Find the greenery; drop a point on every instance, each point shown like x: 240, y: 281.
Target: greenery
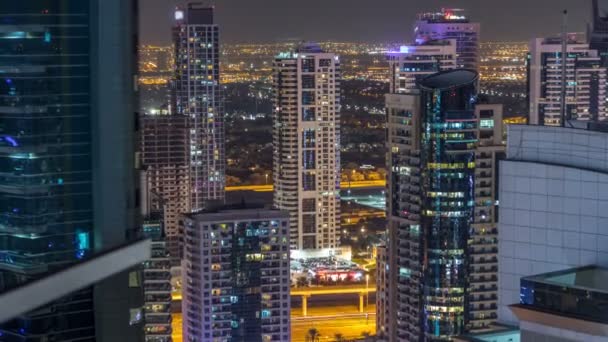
x: 313, y: 335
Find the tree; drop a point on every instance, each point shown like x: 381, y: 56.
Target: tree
x: 351, y: 166
x: 302, y: 281
x: 232, y: 180
x: 313, y: 335
x: 339, y: 337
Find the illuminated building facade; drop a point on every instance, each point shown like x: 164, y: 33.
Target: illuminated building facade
x: 67, y: 138
x: 441, y: 208
x: 451, y: 24
x: 413, y: 62
x: 585, y: 82
x: 197, y: 95
x: 236, y: 276
x: 165, y: 157
x: 156, y: 271
x: 482, y: 246
x: 306, y: 139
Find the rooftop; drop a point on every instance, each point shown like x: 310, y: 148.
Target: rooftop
x: 589, y: 278
x: 499, y: 333
x: 449, y: 79
x: 236, y: 212
x: 447, y: 15
x: 578, y: 293
x: 309, y: 47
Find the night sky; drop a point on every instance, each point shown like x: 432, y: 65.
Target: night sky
x: 365, y: 20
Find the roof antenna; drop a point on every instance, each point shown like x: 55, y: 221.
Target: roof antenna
x: 564, y: 61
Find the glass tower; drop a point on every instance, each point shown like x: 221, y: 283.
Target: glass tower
x: 431, y: 264
x: 67, y: 176
x: 447, y: 197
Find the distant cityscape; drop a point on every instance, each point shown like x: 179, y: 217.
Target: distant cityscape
x: 432, y: 190
x: 500, y: 62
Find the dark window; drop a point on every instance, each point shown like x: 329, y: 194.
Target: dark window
x: 308, y: 98
x: 308, y: 65
x: 309, y: 223
x: 308, y: 160
x: 308, y: 114
x: 308, y: 138
x: 308, y: 81
x: 309, y: 242
x: 309, y: 204
x: 324, y: 62
x: 309, y: 181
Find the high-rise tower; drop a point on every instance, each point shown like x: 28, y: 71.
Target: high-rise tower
x: 414, y: 62
x: 197, y: 95
x: 165, y: 156
x: 236, y: 275
x: 67, y: 138
x: 306, y: 138
x: 440, y: 209
x: 451, y: 24
x: 598, y: 30
x: 585, y: 82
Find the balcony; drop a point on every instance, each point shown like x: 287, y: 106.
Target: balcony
x: 484, y: 289
x: 485, y: 250
x: 483, y: 298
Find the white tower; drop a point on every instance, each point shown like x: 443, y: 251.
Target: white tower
x: 306, y: 138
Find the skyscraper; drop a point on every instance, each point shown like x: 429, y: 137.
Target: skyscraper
x: 165, y: 157
x: 198, y: 96
x: 306, y: 139
x: 236, y: 275
x: 598, y: 30
x: 585, y: 82
x: 157, y: 269
x: 440, y: 208
x: 414, y: 62
x: 451, y: 24
x: 67, y: 148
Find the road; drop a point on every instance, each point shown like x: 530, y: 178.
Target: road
x: 343, y: 185
x: 312, y: 291
x: 327, y: 290
x: 328, y: 321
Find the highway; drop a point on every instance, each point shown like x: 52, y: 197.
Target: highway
x: 350, y: 325
x: 343, y: 185
x: 329, y: 290
x: 329, y: 320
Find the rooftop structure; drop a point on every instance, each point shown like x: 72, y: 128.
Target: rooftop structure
x: 446, y: 15
x: 451, y: 24
x: 565, y: 305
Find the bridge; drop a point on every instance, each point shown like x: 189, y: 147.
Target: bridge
x: 343, y: 185
x: 307, y: 292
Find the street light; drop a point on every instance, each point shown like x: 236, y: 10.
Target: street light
x: 266, y: 175
x: 366, y: 290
